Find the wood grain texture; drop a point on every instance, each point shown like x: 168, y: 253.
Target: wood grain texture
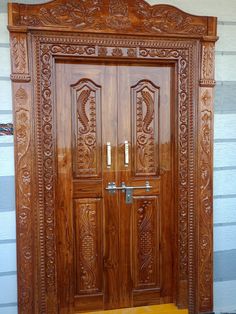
x: 104, y: 23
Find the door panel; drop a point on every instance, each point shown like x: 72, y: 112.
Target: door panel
x: 114, y: 254
x: 145, y: 96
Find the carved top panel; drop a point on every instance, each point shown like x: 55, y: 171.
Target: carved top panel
x: 111, y: 16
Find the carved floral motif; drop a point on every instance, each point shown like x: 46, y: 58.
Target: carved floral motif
x: 114, y: 15
x: 88, y: 105
x: 78, y: 14
x: 205, y: 231
x: 164, y: 19
x: 146, y: 244
x: 88, y: 257
x: 24, y: 192
x: 208, y: 57
x: 145, y: 106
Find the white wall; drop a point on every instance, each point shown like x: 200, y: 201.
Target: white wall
x: 225, y: 157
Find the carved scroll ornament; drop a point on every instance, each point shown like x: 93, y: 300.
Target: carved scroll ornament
x: 111, y: 16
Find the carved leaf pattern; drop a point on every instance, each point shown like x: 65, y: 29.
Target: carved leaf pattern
x: 19, y: 54
x: 146, y: 244
x: 208, y: 57
x: 163, y: 19
x: 77, y: 14
x: 88, y: 248
x: 87, y: 103
x: 145, y: 100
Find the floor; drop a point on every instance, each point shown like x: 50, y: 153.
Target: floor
x: 154, y: 309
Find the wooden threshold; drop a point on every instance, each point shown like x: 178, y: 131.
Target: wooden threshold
x: 153, y: 309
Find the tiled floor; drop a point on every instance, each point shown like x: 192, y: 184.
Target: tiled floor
x: 154, y: 309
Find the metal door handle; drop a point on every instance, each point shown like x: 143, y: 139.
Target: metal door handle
x: 126, y: 153
x: 108, y: 154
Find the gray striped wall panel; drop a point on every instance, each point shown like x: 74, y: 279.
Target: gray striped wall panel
x: 225, y: 97
x: 8, y: 308
x: 7, y: 188
x: 225, y: 265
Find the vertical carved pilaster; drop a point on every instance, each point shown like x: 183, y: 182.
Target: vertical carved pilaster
x: 19, y: 57
x: 24, y: 174
x: 205, y: 186
x: 24, y: 213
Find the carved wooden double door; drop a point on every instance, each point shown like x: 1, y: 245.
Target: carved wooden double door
x: 114, y: 245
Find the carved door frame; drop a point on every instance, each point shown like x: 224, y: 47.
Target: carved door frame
x: 110, y: 30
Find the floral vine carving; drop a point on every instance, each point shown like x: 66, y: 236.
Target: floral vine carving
x: 208, y: 61
x: 164, y: 19
x: 88, y: 253
x: 87, y: 97
x: 205, y: 234
x: 146, y: 245
x: 24, y: 192
x: 78, y: 14
x: 144, y: 99
x: 113, y: 15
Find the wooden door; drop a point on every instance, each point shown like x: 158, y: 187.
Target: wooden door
x: 114, y: 252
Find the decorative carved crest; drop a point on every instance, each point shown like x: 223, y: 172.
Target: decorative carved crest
x: 110, y: 16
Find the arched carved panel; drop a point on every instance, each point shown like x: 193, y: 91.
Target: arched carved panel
x: 86, y: 104
x: 146, y: 243
x: 88, y: 223
x: 145, y: 113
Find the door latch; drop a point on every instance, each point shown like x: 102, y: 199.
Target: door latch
x: 128, y: 190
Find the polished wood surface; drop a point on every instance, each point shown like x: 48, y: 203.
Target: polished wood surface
x: 123, y: 253
x: 60, y: 164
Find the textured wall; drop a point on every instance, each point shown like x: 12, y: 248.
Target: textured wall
x: 224, y: 164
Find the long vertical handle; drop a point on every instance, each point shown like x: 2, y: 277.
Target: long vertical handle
x: 108, y: 154
x: 126, y: 153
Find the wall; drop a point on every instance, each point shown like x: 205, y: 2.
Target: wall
x: 224, y: 165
